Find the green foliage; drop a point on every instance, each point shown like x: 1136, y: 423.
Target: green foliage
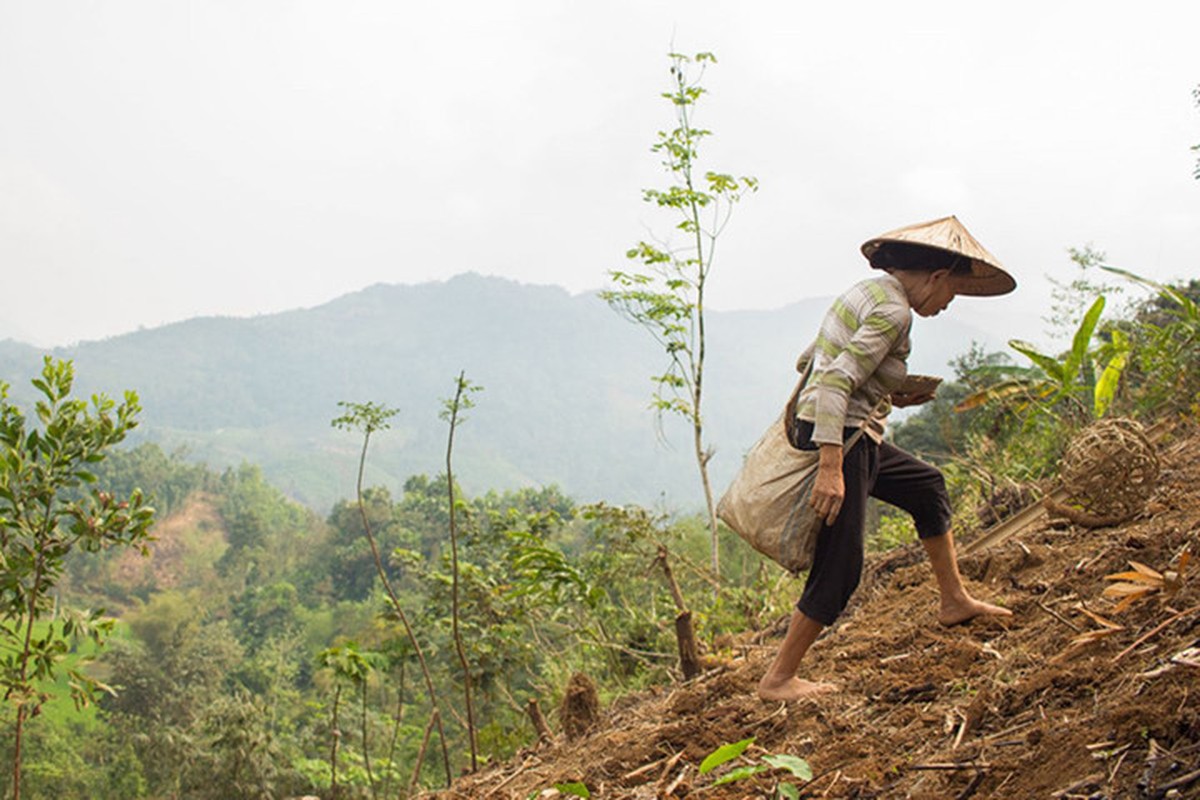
x: 43, y: 519
x: 797, y: 767
x: 147, y: 465
x: 1165, y: 337
x: 1075, y: 387
x: 667, y: 296
x: 895, y: 528
x: 574, y: 788
x: 723, y: 754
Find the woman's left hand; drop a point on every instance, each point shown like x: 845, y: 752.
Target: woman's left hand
x: 904, y: 399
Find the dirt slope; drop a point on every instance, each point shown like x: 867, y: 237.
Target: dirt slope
x: 185, y: 545
x: 989, y: 709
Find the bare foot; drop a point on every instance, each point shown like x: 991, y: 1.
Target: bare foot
x: 792, y: 689
x: 956, y: 612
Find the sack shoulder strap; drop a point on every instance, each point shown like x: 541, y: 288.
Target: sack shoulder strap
x: 804, y: 365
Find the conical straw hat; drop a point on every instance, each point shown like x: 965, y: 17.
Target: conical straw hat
x: 987, y: 276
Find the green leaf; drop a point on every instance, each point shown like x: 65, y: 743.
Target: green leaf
x: 576, y: 788
x: 788, y: 791
x: 1083, y: 340
x: 1048, y: 364
x: 793, y: 764
x: 739, y: 773
x: 1106, y: 387
x: 724, y: 753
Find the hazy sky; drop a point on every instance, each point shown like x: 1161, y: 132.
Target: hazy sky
x: 164, y: 159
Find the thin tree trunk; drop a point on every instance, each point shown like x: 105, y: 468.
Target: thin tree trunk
x: 365, y: 748
x: 397, y: 721
x: 689, y: 657
x: 336, y: 735
x: 458, y: 644
x: 395, y: 601
x: 702, y: 456
x: 433, y: 718
x: 22, y: 713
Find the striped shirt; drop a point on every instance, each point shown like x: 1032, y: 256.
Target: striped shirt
x: 859, y: 358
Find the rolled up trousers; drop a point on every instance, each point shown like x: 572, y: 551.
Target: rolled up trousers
x: 887, y: 473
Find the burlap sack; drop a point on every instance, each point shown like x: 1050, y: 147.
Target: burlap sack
x: 768, y: 502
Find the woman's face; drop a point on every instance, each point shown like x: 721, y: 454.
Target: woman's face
x: 934, y: 294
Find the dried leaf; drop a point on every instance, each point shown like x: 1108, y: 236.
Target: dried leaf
x: 1145, y: 570
x: 1140, y: 577
x: 1126, y: 603
x: 1095, y: 636
x: 1099, y: 619
x: 1123, y: 589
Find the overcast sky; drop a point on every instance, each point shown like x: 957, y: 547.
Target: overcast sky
x: 164, y: 159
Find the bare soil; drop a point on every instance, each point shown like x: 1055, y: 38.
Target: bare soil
x: 989, y: 709
x: 197, y: 527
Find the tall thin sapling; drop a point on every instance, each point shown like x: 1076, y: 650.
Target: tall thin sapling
x: 666, y: 296
x: 368, y: 418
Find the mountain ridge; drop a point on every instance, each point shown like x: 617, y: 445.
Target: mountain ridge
x: 566, y: 387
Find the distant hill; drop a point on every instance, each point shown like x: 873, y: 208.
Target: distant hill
x: 566, y: 388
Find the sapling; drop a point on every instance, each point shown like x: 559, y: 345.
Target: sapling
x: 452, y: 414
x: 368, y: 418
x: 666, y: 296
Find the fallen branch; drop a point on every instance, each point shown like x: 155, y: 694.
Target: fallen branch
x: 1157, y: 630
x: 1023, y: 519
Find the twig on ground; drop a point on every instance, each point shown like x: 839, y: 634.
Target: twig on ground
x: 1057, y: 616
x: 524, y: 766
x: 670, y: 765
x: 973, y: 786
x: 1086, y: 783
x: 642, y: 770
x: 667, y: 792
x: 837, y: 776
x: 1178, y: 783
x: 1157, y: 630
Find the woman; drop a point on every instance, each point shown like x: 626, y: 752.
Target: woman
x: 859, y: 359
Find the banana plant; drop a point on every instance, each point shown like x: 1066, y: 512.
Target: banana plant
x: 1168, y: 336
x: 1074, y: 381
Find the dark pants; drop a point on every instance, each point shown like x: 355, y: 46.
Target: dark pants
x: 883, y: 471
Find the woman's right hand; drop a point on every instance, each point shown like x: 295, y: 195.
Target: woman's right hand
x: 829, y: 489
